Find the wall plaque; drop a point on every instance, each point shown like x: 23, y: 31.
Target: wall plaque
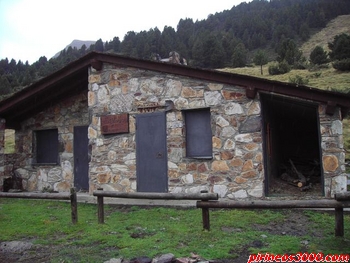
x: 112, y: 124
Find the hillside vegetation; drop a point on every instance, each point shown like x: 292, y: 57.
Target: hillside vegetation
x: 325, y: 77
x: 322, y: 78
x: 224, y: 39
x: 339, y: 25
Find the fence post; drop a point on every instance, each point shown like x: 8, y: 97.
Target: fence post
x: 205, y: 215
x: 339, y: 222
x: 74, y: 206
x: 100, y: 211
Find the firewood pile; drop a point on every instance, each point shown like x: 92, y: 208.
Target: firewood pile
x: 301, y: 173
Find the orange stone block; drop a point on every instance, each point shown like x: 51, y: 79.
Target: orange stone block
x: 249, y: 174
x: 226, y: 155
x: 240, y: 180
x: 248, y: 165
x: 202, y: 168
x: 103, y: 178
x: 231, y: 95
x: 220, y: 166
x: 236, y: 162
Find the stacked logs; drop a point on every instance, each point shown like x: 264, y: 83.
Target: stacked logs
x: 298, y: 177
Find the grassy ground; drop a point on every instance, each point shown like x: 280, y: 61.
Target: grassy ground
x: 9, y: 141
x: 131, y: 232
x: 322, y: 78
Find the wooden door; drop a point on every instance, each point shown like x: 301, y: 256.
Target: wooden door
x: 151, y: 152
x: 81, y: 158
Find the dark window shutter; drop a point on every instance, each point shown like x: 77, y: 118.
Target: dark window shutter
x: 47, y: 146
x: 198, y: 133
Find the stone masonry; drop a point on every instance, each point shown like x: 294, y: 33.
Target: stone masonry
x: 333, y: 153
x: 236, y: 170
x: 64, y: 116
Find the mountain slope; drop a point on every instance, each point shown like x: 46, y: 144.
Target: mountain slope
x: 339, y: 25
x: 77, y: 44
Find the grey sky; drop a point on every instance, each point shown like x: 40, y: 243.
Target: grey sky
x: 33, y: 28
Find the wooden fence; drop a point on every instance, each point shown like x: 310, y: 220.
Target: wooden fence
x: 210, y: 200
x: 72, y: 196
x: 204, y: 196
x: 341, y: 201
x: 205, y: 201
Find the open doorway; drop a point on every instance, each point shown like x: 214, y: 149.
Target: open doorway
x: 291, y: 147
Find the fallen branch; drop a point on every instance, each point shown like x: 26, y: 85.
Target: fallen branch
x: 305, y: 188
x: 301, y: 177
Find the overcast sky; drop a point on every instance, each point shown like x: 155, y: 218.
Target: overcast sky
x: 30, y: 29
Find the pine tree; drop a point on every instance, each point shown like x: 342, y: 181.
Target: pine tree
x: 288, y: 51
x: 5, y: 86
x: 340, y: 47
x: 99, y: 45
x: 208, y: 52
x: 318, y: 56
x: 239, y: 56
x: 128, y: 43
x: 260, y: 59
x: 116, y: 45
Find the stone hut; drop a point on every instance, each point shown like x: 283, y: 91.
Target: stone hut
x: 129, y: 125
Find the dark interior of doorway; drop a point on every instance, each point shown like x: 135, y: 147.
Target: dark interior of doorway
x: 292, y: 147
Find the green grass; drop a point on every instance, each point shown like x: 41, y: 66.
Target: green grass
x: 321, y: 78
x: 149, y: 232
x: 329, y: 243
x: 9, y: 141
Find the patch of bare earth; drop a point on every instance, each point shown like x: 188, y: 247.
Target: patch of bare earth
x: 296, y: 223
x: 26, y: 251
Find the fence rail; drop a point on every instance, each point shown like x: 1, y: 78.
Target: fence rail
x: 260, y: 204
x: 159, y: 196
x: 205, y: 201
x: 204, y: 196
x: 72, y: 196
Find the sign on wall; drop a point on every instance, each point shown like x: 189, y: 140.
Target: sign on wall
x: 114, y: 124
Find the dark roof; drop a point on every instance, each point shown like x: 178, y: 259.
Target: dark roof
x: 73, y: 79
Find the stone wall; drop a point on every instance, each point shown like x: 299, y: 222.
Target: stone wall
x: 333, y: 153
x: 236, y: 170
x: 68, y: 113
